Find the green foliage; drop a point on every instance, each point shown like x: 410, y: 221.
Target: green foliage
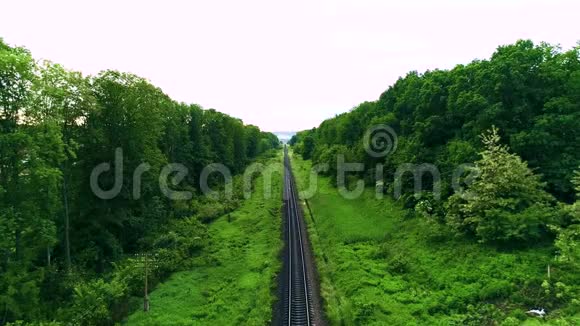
x: 183, y: 237
x: 93, y: 301
x: 329, y: 156
x: 56, y: 126
x: 530, y: 92
x: 379, y: 268
x: 308, y: 147
x: 568, y: 244
x: 20, y: 291
x: 505, y: 203
x: 232, y: 280
x: 398, y: 264
x: 304, y: 143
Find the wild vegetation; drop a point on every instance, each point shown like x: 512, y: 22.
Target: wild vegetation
x: 67, y: 254
x: 530, y: 93
x: 499, y: 239
x: 380, y: 265
x: 477, y: 252
x: 232, y: 282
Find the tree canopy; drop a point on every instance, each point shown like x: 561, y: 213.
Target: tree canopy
x: 529, y: 92
x: 56, y: 126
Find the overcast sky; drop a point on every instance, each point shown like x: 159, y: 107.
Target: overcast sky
x: 281, y: 65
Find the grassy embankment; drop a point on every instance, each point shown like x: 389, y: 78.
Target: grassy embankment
x: 379, y: 267
x: 234, y: 281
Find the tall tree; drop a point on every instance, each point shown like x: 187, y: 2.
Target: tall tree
x: 507, y: 202
x: 31, y: 150
x: 65, y: 98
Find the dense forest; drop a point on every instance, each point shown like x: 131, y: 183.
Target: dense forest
x: 529, y: 94
x: 514, y: 119
x: 65, y: 253
x: 493, y: 232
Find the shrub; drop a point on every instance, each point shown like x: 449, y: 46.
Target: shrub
x: 495, y: 289
x: 399, y: 264
x: 94, y: 300
x: 506, y: 203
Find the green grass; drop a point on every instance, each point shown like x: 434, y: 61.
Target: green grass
x: 233, y: 282
x: 379, y: 267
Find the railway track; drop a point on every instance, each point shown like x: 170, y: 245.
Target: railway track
x: 297, y: 302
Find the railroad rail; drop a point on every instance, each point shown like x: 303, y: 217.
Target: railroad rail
x: 297, y: 307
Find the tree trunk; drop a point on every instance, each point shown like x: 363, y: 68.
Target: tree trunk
x: 17, y: 243
x: 146, y: 294
x: 66, y: 223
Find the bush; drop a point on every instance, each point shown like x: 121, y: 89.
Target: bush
x: 399, y: 264
x: 483, y: 314
x: 506, y: 203
x: 496, y: 289
x: 93, y: 302
x: 185, y: 236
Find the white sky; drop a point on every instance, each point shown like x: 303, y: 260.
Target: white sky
x: 282, y: 65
